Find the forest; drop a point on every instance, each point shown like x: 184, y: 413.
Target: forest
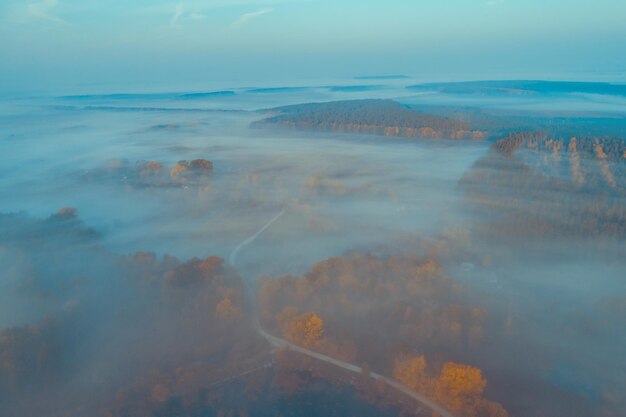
x: 370, y: 116
x: 398, y: 315
x: 545, y: 185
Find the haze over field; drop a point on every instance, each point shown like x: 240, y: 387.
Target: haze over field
x: 312, y: 208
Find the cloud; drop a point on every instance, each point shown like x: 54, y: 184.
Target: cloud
x: 177, y: 14
x: 180, y: 15
x: 246, y: 17
x: 196, y: 16
x: 43, y: 10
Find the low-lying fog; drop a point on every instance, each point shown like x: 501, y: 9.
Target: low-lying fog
x: 277, y: 201
x: 337, y: 193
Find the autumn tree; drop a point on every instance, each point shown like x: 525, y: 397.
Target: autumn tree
x: 459, y: 387
x: 306, y: 329
x: 226, y: 310
x: 410, y: 370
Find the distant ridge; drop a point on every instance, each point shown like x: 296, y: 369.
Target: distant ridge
x: 523, y: 87
x: 333, y: 88
x: 149, y: 96
x: 207, y: 94
x: 382, y: 77
x: 277, y: 89
x: 354, y: 88
x: 371, y: 116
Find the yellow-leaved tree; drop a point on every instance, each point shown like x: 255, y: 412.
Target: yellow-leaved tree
x: 460, y: 387
x: 306, y: 329
x: 410, y: 370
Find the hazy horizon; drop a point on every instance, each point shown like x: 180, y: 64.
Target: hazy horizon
x: 66, y: 46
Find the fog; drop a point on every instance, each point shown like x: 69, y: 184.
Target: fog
x: 133, y: 281
x: 329, y: 186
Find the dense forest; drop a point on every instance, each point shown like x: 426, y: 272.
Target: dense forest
x: 167, y: 335
x: 609, y: 148
x: 398, y: 315
x: 379, y: 117
x: 533, y: 183
x: 117, y: 317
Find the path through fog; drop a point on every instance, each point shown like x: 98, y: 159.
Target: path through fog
x: 233, y: 255
x: 282, y: 343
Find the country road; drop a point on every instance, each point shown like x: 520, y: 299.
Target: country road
x: 282, y: 343
x: 233, y: 255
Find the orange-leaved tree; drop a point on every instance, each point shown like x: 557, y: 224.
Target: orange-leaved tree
x: 411, y: 371
x: 306, y: 329
x: 460, y: 387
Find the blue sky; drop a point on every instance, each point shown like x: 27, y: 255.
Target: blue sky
x: 54, y: 43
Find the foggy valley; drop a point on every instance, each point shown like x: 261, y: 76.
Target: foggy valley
x: 372, y: 246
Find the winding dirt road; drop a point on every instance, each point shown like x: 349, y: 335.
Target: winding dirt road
x: 233, y: 255
x: 284, y: 344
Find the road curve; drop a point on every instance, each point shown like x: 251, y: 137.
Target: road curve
x: 282, y: 344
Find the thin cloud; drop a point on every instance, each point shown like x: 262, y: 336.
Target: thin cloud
x: 43, y: 10
x: 197, y: 16
x: 180, y: 16
x: 247, y: 17
x: 177, y: 14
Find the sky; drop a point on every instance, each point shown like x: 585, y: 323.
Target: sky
x: 151, y: 45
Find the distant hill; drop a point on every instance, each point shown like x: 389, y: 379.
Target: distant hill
x: 601, y: 148
x: 538, y: 184
x: 150, y: 96
x: 523, y: 87
x: 379, y: 117
x: 382, y: 77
